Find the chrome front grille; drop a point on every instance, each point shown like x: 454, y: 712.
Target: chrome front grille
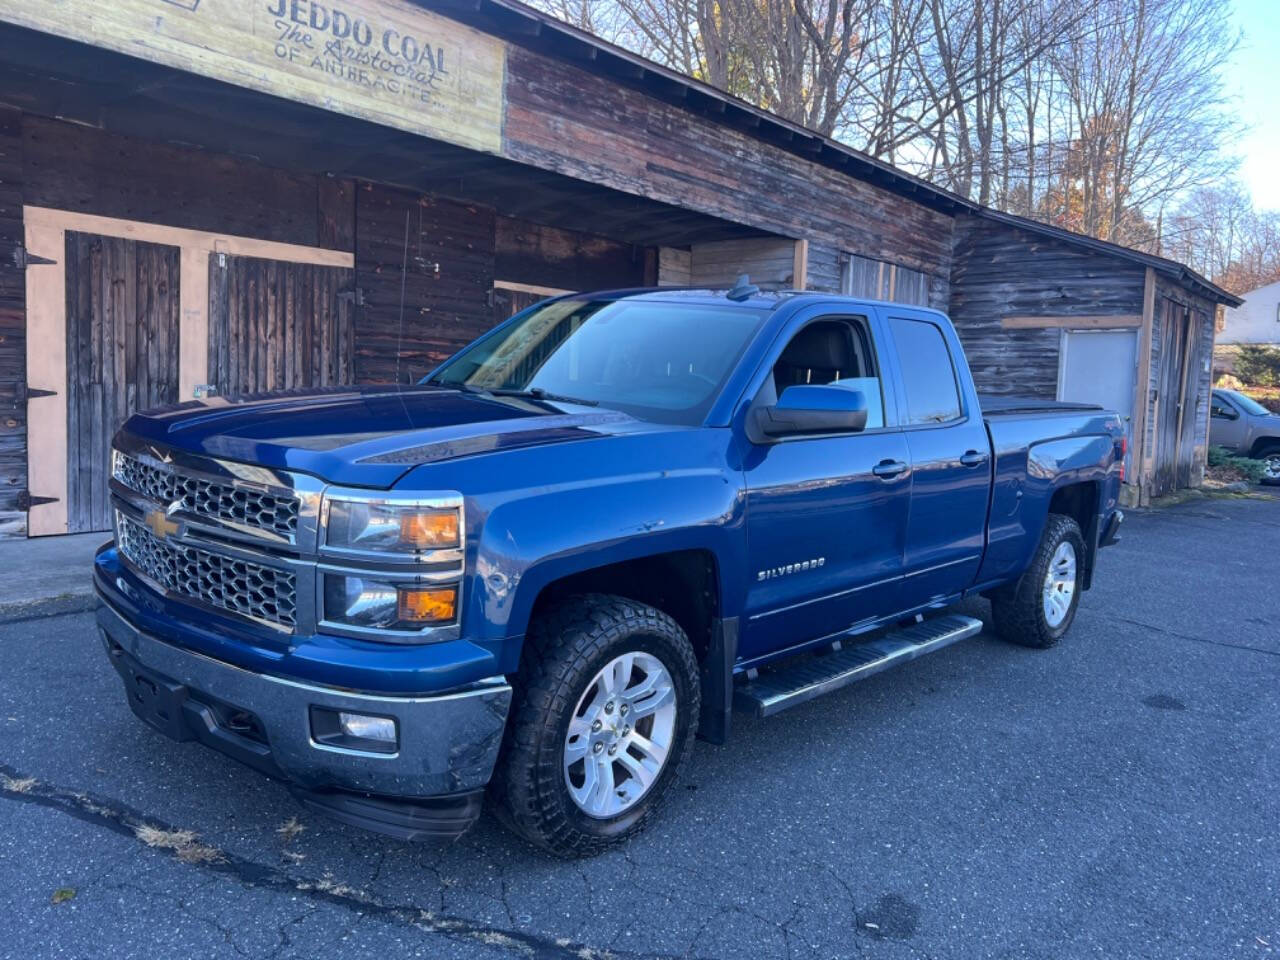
x: 239, y: 586
x: 200, y: 497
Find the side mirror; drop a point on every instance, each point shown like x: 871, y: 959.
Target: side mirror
x: 809, y: 410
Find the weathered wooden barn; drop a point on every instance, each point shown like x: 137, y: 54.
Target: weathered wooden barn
x: 232, y: 195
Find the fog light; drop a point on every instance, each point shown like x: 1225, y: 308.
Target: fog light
x: 368, y: 728
x: 366, y: 733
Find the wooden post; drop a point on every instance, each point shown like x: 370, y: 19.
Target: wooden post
x: 1140, y: 458
x: 800, y: 271
x: 1188, y: 339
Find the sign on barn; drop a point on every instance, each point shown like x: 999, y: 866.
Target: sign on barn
x: 379, y: 60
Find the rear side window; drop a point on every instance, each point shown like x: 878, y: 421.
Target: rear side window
x: 927, y: 373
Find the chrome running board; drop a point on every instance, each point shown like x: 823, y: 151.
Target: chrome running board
x: 811, y: 676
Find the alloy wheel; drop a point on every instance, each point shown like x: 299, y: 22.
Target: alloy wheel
x: 1060, y: 584
x: 620, y: 735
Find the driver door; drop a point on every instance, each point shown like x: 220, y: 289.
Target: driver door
x: 1227, y: 425
x: 826, y: 515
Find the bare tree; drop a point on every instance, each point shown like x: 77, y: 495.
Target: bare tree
x: 1093, y: 114
x: 1218, y: 232
x: 1147, y: 104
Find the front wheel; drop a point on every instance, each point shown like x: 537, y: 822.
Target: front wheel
x: 1037, y: 611
x: 605, y: 713
x: 1271, y: 465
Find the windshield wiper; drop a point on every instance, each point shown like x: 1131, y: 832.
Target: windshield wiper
x: 464, y: 387
x: 537, y: 393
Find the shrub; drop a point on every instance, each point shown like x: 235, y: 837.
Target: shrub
x: 1258, y: 365
x: 1223, y: 462
x: 1227, y: 381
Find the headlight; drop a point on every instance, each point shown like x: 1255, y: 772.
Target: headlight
x: 384, y: 526
x: 369, y: 603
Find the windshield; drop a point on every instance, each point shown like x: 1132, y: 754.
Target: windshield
x: 664, y: 362
x: 1247, y: 404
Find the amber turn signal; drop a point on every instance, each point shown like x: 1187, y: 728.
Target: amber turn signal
x: 429, y: 529
x: 427, y: 604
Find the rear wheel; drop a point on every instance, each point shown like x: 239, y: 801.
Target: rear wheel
x: 1038, y: 610
x: 604, y: 716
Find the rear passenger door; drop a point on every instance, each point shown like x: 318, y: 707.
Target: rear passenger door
x: 950, y: 460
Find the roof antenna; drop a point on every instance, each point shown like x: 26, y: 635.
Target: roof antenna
x: 744, y: 289
x: 404, y: 269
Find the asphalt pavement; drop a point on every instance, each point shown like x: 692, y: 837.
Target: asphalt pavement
x: 1118, y: 796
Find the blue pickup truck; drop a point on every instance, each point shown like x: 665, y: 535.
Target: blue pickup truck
x: 587, y: 538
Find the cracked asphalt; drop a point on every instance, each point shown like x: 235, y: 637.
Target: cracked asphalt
x: 1118, y: 796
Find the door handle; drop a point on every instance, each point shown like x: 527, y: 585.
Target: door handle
x: 888, y: 469
x: 973, y: 458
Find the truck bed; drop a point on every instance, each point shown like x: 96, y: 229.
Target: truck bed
x: 1038, y: 445
x: 999, y: 406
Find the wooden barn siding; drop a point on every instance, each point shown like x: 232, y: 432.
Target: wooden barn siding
x: 1001, y: 271
x: 13, y: 339
x: 565, y: 119
x: 824, y: 268
x: 70, y: 167
x: 675, y: 267
x: 443, y: 310
x: 826, y: 275
x: 939, y: 292
x: 562, y: 259
x: 768, y: 261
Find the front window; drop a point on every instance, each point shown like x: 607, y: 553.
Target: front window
x: 660, y: 361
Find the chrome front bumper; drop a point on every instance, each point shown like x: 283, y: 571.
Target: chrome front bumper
x: 447, y: 746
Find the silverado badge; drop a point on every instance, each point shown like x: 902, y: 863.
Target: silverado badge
x: 790, y: 568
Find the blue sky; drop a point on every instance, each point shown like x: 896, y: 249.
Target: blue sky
x: 1254, y: 79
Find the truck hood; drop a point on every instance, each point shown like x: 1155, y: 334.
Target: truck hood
x: 370, y: 437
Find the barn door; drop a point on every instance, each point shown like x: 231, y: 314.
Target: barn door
x: 1175, y: 320
x: 278, y: 325
x: 1193, y: 404
x: 122, y: 355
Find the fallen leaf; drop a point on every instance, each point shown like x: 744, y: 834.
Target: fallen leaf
x: 62, y: 895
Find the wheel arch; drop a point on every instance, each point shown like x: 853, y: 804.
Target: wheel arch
x: 1264, y: 445
x: 684, y: 584
x: 1080, y: 501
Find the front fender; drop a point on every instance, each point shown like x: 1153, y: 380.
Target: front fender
x: 531, y: 542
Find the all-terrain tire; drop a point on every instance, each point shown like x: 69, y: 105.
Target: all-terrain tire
x: 567, y: 645
x: 1019, y: 609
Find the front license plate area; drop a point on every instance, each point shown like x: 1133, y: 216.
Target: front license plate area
x: 155, y: 700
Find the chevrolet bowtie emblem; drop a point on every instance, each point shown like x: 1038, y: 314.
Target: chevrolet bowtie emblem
x: 159, y: 523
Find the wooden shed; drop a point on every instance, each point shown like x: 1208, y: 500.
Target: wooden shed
x: 256, y: 195
x: 1045, y: 312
